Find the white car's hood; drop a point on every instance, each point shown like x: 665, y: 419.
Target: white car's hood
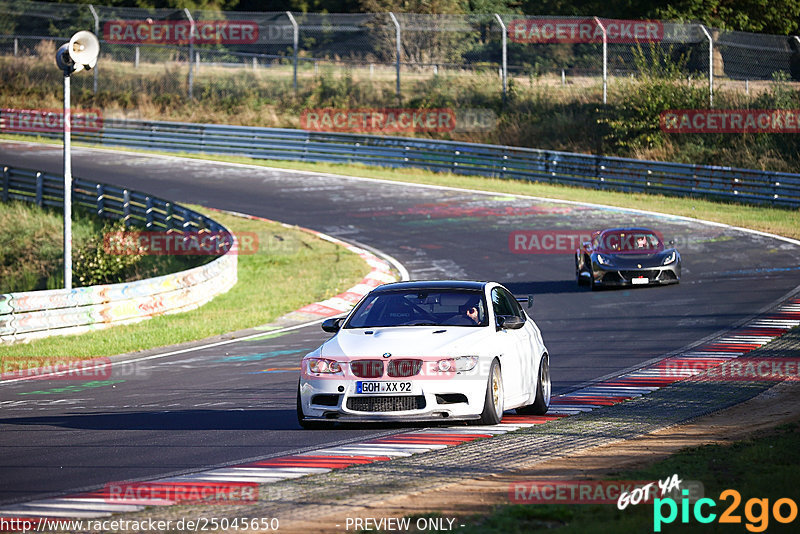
x: 419, y: 341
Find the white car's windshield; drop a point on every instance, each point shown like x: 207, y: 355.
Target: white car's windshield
x: 420, y: 308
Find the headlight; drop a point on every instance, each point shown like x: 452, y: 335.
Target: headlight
x: 670, y: 258
x: 323, y: 366
x: 602, y: 260
x: 462, y: 363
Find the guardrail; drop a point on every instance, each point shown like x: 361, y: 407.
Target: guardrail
x: 599, y: 172
x: 34, y: 314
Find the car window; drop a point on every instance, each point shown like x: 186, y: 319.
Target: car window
x: 420, y: 308
x: 629, y: 241
x: 514, y: 304
x: 501, y: 303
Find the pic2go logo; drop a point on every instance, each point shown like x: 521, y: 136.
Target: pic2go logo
x: 756, y: 511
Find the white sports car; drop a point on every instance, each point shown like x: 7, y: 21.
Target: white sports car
x: 427, y: 351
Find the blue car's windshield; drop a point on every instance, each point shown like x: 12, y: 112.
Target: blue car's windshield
x: 420, y: 308
x: 620, y: 242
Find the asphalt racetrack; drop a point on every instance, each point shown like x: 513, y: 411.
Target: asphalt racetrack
x: 228, y: 404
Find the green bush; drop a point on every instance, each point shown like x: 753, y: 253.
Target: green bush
x: 106, y: 258
x: 634, y: 122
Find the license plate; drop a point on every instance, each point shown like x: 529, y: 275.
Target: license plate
x: 383, y: 387
x: 639, y: 281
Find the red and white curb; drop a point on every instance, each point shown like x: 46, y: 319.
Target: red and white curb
x: 640, y: 382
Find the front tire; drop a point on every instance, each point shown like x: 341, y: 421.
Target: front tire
x: 592, y: 285
x: 578, y: 271
x: 493, y: 404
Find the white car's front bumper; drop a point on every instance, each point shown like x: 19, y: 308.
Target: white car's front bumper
x: 459, y: 397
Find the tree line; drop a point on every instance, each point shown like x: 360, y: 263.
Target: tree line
x: 762, y: 16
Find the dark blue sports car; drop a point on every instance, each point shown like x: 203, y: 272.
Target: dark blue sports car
x: 626, y: 257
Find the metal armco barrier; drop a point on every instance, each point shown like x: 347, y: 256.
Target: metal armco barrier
x: 599, y: 172
x: 36, y: 314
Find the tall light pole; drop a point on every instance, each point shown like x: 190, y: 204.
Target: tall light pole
x: 80, y: 53
x: 605, y: 59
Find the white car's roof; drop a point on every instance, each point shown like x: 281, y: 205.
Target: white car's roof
x: 434, y: 284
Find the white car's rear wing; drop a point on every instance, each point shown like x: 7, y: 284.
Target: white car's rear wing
x: 528, y: 299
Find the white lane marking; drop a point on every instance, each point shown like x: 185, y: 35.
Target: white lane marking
x: 392, y: 446
x: 568, y: 410
x: 264, y: 471
x: 622, y: 390
x: 432, y: 446
x: 36, y: 511
x: 508, y: 427
x: 88, y: 504
x: 368, y: 451
x: 491, y: 429
x: 372, y: 454
x: 249, y: 478
x: 269, y: 471
x: 457, y: 430
x: 583, y: 393
x: 702, y: 355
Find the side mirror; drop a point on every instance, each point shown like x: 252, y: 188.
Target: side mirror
x: 672, y: 242
x: 512, y: 322
x: 332, y: 325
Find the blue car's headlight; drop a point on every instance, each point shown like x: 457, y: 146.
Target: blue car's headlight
x: 670, y: 258
x: 603, y: 260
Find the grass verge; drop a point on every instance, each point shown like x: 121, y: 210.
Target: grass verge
x: 764, y: 467
x: 290, y: 269
x: 31, y: 246
x: 31, y: 255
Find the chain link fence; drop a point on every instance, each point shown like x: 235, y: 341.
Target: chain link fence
x: 300, y: 47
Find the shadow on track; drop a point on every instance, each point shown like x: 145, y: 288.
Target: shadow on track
x: 568, y: 286
x: 168, y: 420
x: 202, y: 420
